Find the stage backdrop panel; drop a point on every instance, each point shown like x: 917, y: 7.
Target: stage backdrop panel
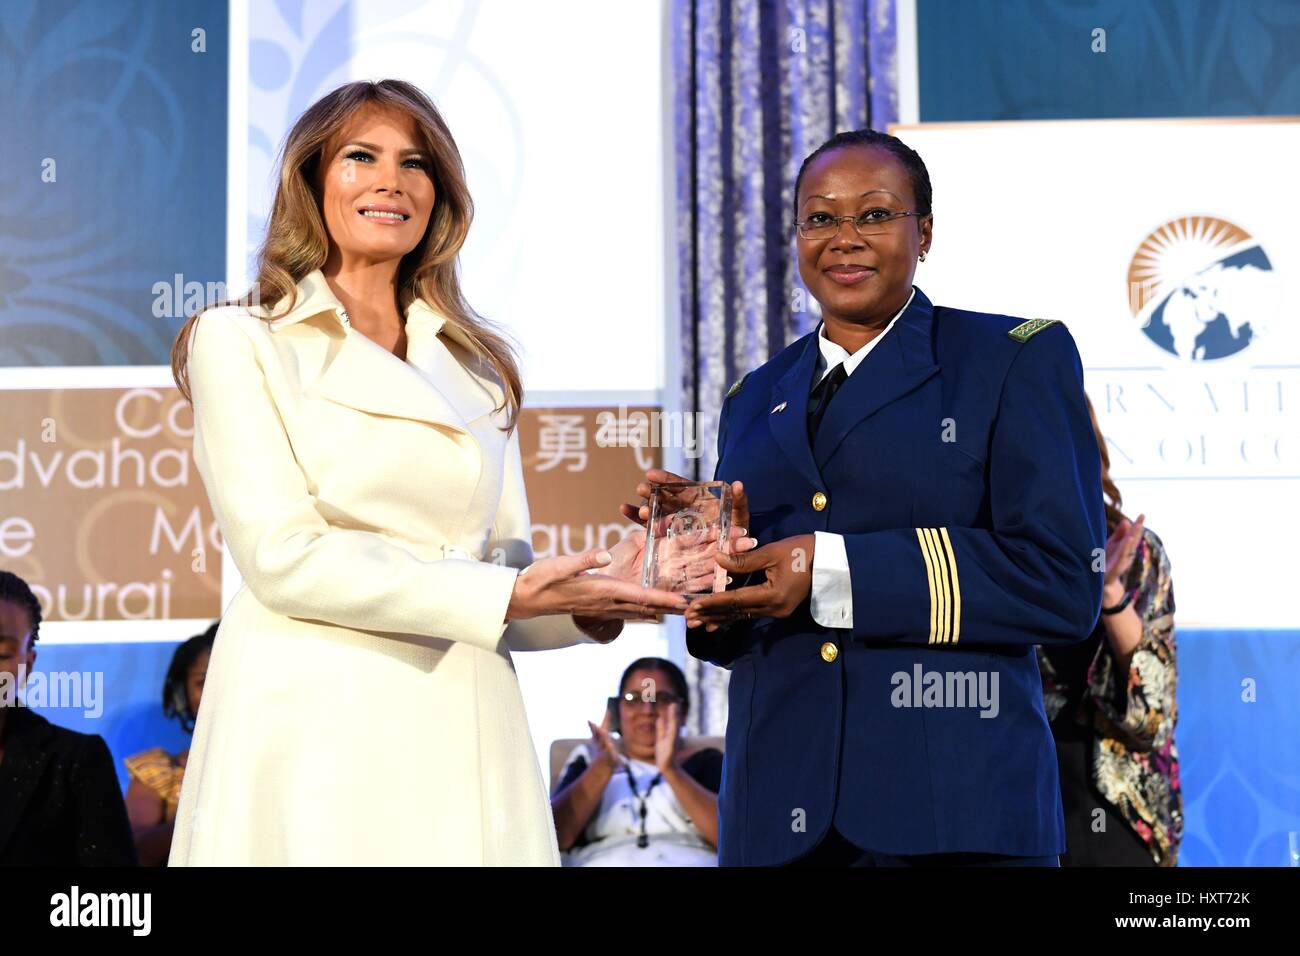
x: 558, y: 112
x: 1045, y: 59
x: 1176, y: 274
x: 101, y: 509
x: 1177, y: 278
x: 1238, y: 714
x: 113, y: 175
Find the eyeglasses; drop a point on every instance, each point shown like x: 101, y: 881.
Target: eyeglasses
x: 660, y: 699
x: 873, y: 222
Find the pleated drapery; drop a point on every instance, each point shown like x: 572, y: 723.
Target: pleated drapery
x: 759, y: 85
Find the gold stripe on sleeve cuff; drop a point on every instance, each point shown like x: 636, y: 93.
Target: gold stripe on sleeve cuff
x: 956, y: 586
x: 945, y: 603
x: 929, y: 572
x: 945, y: 592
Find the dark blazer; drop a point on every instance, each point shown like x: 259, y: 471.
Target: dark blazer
x: 60, y: 803
x: 960, y: 465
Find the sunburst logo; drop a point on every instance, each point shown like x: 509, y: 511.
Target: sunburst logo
x: 1202, y: 288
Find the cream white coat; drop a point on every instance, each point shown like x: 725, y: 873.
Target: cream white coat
x: 361, y: 706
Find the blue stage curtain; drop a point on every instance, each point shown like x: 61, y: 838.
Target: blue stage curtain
x: 758, y: 87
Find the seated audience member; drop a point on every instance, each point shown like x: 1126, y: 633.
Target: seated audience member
x: 156, y: 775
x: 60, y: 804
x: 638, y: 800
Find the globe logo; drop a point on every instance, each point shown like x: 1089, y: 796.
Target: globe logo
x: 1202, y: 288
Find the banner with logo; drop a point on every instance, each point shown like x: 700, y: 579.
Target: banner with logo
x: 1169, y: 248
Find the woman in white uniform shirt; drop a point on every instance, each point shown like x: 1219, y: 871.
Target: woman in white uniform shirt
x: 640, y: 800
x: 354, y: 429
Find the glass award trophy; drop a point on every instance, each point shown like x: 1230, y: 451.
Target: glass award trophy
x: 689, y: 523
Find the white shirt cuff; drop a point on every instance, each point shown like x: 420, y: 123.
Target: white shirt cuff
x: 832, y: 590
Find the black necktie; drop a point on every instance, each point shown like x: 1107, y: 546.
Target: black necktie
x: 821, y: 398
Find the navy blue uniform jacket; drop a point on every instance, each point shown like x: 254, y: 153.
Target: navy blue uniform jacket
x: 961, y: 467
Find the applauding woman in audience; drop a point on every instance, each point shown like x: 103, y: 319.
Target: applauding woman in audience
x: 638, y: 800
x: 1112, y: 704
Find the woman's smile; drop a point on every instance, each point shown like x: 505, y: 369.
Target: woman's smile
x: 849, y: 274
x: 385, y: 214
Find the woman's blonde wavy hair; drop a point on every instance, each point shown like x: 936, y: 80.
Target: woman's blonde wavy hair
x: 297, y: 241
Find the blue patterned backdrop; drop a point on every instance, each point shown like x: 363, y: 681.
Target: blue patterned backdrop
x: 132, y: 716
x: 1034, y: 59
x: 117, y: 179
x: 1240, y: 757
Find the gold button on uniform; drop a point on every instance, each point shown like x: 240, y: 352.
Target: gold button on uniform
x: 829, y: 652
x: 819, y: 501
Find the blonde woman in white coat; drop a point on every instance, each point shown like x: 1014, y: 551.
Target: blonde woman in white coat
x: 354, y: 430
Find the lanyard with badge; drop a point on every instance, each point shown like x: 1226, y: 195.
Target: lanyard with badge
x: 643, y: 840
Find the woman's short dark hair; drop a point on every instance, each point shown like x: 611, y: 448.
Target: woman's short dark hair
x: 16, y: 590
x: 909, y: 157
x: 674, y: 673
x: 176, y: 699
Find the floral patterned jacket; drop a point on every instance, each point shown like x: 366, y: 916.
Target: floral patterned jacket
x: 1135, y: 760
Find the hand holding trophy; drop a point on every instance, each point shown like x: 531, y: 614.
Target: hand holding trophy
x: 687, y: 523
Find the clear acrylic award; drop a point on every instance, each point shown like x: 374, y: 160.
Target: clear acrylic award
x: 689, y: 523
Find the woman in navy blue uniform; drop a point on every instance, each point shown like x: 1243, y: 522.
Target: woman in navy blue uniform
x: 925, y: 486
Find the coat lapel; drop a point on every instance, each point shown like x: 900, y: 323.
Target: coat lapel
x: 430, y: 386
x: 790, y: 424
x: 468, y: 384
x: 895, y: 367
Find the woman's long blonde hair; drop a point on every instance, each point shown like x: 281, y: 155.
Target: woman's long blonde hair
x: 297, y: 241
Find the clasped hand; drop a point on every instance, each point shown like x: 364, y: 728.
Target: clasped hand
x: 600, y: 588
x: 785, y: 565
